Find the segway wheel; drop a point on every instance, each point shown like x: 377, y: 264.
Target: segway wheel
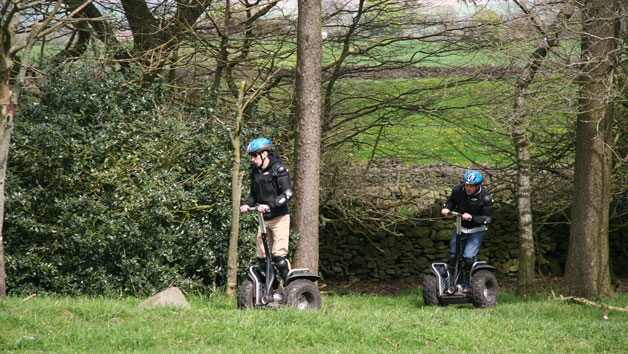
x: 430, y: 290
x: 485, y: 289
x: 246, y: 294
x: 302, y: 294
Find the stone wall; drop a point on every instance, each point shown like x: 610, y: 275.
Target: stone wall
x: 416, y: 235
x: 350, y: 250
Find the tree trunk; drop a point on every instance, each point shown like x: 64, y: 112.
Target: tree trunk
x: 308, y: 133
x: 10, y: 97
x: 236, y: 194
x: 526, y: 284
x: 7, y: 108
x: 587, y: 271
x: 222, y: 57
x: 6, y: 130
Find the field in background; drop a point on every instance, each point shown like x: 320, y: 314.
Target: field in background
x: 424, y: 136
x: 452, y: 121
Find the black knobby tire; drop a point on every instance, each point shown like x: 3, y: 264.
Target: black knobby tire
x: 246, y: 295
x: 485, y: 289
x: 430, y: 290
x: 302, y: 294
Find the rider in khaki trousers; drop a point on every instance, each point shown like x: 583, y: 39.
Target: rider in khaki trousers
x: 270, y: 190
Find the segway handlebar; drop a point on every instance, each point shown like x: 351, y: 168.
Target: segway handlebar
x: 458, y: 222
x: 254, y: 209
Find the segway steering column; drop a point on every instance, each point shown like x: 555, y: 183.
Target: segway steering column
x: 457, y: 266
x: 270, y: 273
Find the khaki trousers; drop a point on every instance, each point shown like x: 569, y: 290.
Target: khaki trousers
x: 278, y: 230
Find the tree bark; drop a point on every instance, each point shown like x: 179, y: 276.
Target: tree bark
x: 7, y: 108
x: 308, y: 133
x: 587, y: 271
x: 10, y: 96
x: 80, y: 45
x: 222, y: 58
x: 6, y: 130
x: 236, y: 194
x: 156, y: 37
x: 526, y: 282
x: 102, y: 30
x: 526, y: 276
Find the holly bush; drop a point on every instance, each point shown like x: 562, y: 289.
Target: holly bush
x: 113, y: 189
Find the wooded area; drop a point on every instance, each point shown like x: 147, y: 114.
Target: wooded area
x: 118, y: 122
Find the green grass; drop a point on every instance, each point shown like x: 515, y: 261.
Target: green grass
x: 434, y: 133
x: 422, y: 53
x: 452, y: 116
x: 346, y: 324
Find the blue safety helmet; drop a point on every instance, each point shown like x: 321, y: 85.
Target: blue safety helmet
x: 258, y: 145
x: 472, y: 177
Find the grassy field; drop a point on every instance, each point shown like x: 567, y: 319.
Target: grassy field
x: 349, y: 323
x: 435, y: 134
x: 457, y: 121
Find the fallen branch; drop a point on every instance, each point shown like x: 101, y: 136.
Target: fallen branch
x: 591, y: 303
x: 28, y: 298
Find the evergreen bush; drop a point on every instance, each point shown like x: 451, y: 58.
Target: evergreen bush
x: 114, y: 190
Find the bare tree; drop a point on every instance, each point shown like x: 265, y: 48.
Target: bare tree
x: 308, y: 132
x: 347, y: 118
x: 94, y: 24
x: 236, y: 185
x: 587, y: 270
x: 526, y: 284
x: 159, y: 30
x: 383, y: 39
x: 236, y: 194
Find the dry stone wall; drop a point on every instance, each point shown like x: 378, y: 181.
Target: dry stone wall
x: 348, y: 251
x: 353, y: 251
x: 362, y: 248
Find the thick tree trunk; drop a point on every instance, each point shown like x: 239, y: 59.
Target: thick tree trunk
x: 236, y: 194
x: 308, y: 137
x: 587, y: 270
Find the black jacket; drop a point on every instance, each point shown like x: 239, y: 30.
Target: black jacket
x: 479, y: 205
x: 271, y: 186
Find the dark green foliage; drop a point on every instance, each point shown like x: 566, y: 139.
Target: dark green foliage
x: 112, y: 191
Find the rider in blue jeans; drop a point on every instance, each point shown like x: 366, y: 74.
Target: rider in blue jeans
x: 476, y: 206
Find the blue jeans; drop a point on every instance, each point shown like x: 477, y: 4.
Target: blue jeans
x: 470, y: 244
